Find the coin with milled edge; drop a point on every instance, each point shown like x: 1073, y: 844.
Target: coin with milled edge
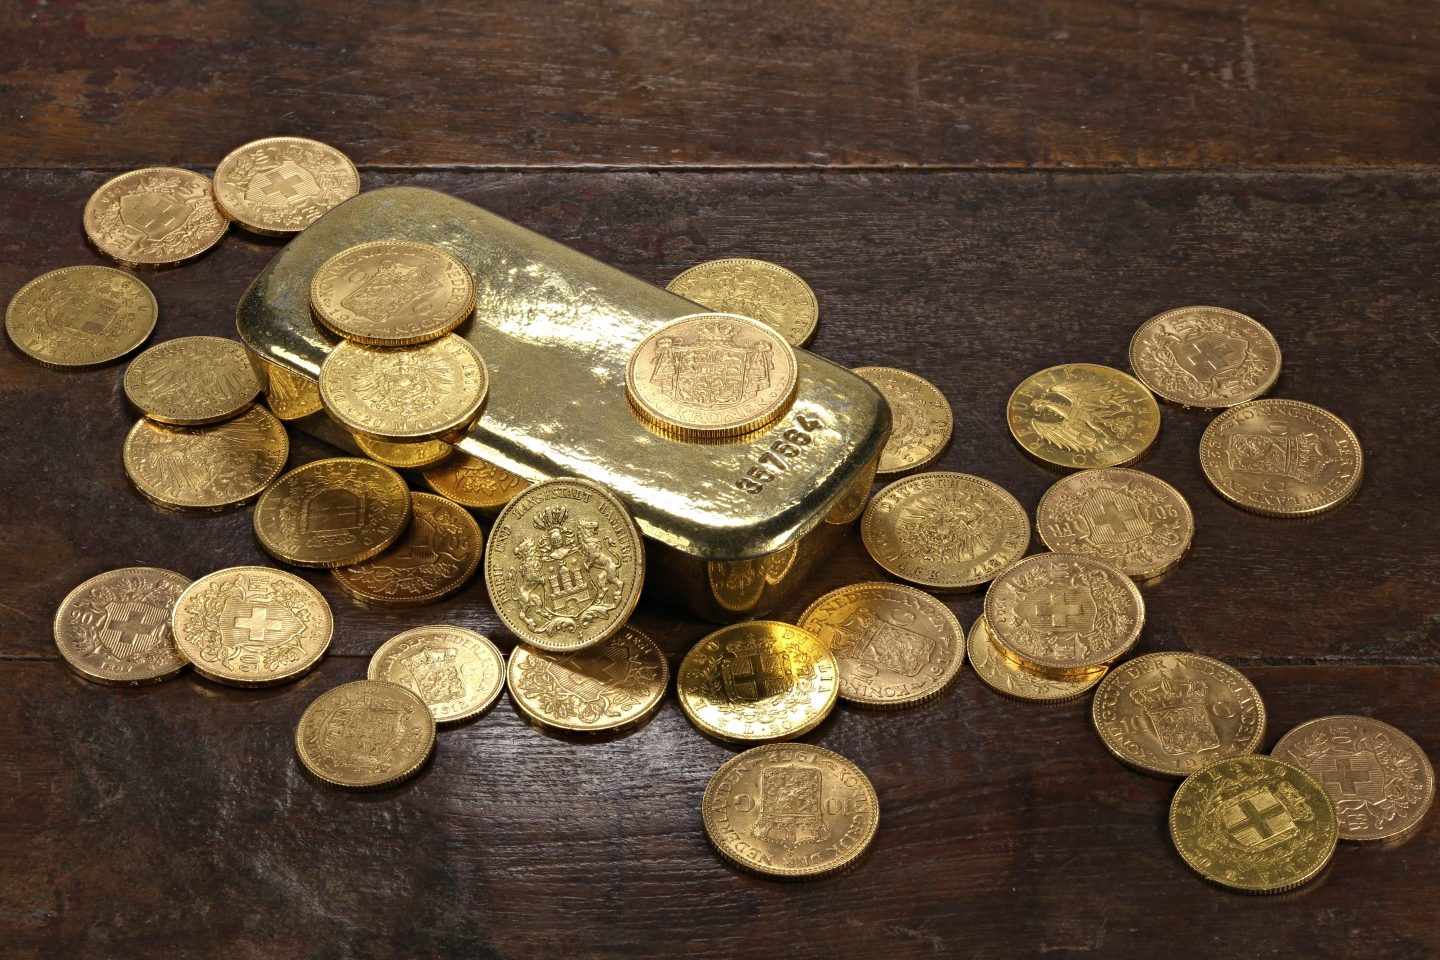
x: 208, y: 468
x: 434, y: 558
x: 404, y: 456
x: 365, y: 735
x: 392, y: 292
x: 115, y: 627
x: 1205, y: 357
x: 610, y: 685
x: 154, y: 217
x: 332, y: 513
x: 1007, y: 676
x: 1132, y: 520
x: 192, y: 380
x: 921, y: 418
x: 1080, y: 415
x: 80, y: 316
x: 280, y: 185
x: 404, y: 393
x: 289, y: 395
x: 756, y: 289
x: 471, y: 482
x: 457, y: 672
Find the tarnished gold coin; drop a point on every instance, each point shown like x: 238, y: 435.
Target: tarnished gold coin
x: 471, y: 482
x: 457, y: 672
x: 252, y: 626
x: 1006, y: 675
x: 756, y: 289
x: 895, y: 645
x: 80, y: 316
x: 1381, y: 781
x: 1253, y: 824
x: 609, y: 685
x: 365, y: 735
x: 289, y: 395
x: 921, y: 418
x: 1131, y: 520
x: 280, y: 185
x: 404, y: 455
x: 392, y: 292
x: 1281, y: 458
x: 209, y: 468
x: 758, y: 680
x: 192, y: 380
x: 945, y: 531
x: 332, y: 513
x: 1205, y: 357
x: 436, y: 555
x: 711, y: 375
x: 115, y: 627
x: 404, y: 393
x: 790, y: 811
x: 154, y: 217
x: 1080, y: 415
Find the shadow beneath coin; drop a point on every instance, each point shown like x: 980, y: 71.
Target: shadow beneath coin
x: 362, y: 795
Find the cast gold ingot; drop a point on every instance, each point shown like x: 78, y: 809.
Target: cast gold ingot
x: 1205, y: 357
x: 280, y: 185
x: 192, y: 380
x: 405, y: 455
x: 921, y: 417
x: 471, y: 482
x: 365, y: 735
x: 404, y: 393
x: 434, y: 558
x: 610, y: 685
x: 289, y: 395
x: 756, y: 289
x: 392, y: 292
x: 1080, y: 415
x: 115, y: 627
x: 207, y: 468
x: 154, y: 217
x: 1009, y: 677
x: 332, y: 513
x: 1132, y: 520
x: 80, y: 316
x: 457, y: 672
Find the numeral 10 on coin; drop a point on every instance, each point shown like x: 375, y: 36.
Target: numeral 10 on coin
x: 776, y: 458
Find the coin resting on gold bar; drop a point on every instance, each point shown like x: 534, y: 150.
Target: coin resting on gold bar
x: 405, y: 455
x: 757, y: 289
x: 921, y: 418
x: 399, y: 394
x: 471, y: 482
x: 392, y: 292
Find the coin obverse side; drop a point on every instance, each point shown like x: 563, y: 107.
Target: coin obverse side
x: 332, y: 513
x: 365, y: 735
x: 80, y: 316
x: 1080, y: 415
x: 154, y: 217
x: 280, y: 185
x: 404, y: 455
x: 392, y: 292
x: 208, y: 468
x: 471, y: 482
x: 457, y: 672
x: 921, y: 417
x: 434, y: 558
x: 1205, y: 357
x: 192, y: 380
x: 1008, y: 677
x: 610, y: 685
x: 404, y: 393
x: 757, y: 289
x: 115, y: 627
x: 1132, y: 520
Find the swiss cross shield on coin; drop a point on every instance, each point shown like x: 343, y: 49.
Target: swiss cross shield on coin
x: 1209, y: 355
x: 282, y: 184
x: 155, y: 215
x: 131, y: 629
x: 1114, y: 517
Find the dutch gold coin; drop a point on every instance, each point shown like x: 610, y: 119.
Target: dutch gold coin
x: 945, y: 531
x: 471, y: 482
x: 192, y: 380
x: 1131, y: 520
x: 289, y: 395
x: 280, y: 185
x: 921, y: 418
x: 332, y: 513
x: 115, y: 627
x: 434, y: 558
x: 208, y: 468
x: 711, y: 375
x: 404, y: 456
x: 154, y: 217
x: 1007, y: 676
x: 758, y: 681
x: 403, y: 394
x: 790, y: 811
x: 1281, y: 458
x: 1080, y: 415
x: 80, y: 316
x: 610, y: 685
x: 457, y: 672
x: 365, y: 735
x: 1253, y: 824
x: 392, y: 292
x: 1205, y: 357
x: 756, y: 289
x: 252, y: 626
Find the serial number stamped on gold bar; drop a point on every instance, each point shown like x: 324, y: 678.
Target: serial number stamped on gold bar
x: 780, y: 455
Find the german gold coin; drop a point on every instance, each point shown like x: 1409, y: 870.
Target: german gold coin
x: 921, y: 418
x: 790, y: 811
x: 945, y: 531
x: 711, y: 375
x: 1205, y: 357
x: 1381, y: 781
x: 154, y: 217
x: 1134, y: 521
x: 115, y: 627
x: 471, y: 482
x: 404, y: 393
x: 758, y: 680
x: 756, y: 289
x: 192, y: 380
x: 609, y: 685
x: 280, y: 185
x: 289, y: 395
x: 1006, y: 675
x: 365, y: 735
x: 895, y: 645
x: 1281, y: 458
x: 1253, y: 824
x: 208, y: 468
x: 80, y: 316
x: 333, y: 513
x: 406, y: 455
x: 392, y: 292
x: 434, y: 558
x: 1081, y: 415
x: 252, y: 626
x: 457, y: 672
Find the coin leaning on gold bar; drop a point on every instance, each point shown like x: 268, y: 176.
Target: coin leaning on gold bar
x: 392, y: 292
x: 921, y: 418
x: 1080, y: 415
x: 1205, y: 357
x: 332, y: 513
x: 158, y: 216
x: 610, y: 685
x: 405, y: 455
x: 192, y: 380
x: 115, y: 627
x: 457, y: 672
x: 278, y: 186
x: 404, y: 393
x: 1008, y: 677
x: 757, y: 289
x: 1132, y: 520
x: 365, y: 735
x: 80, y: 316
x: 434, y: 558
x: 289, y: 395
x: 471, y: 482
x: 208, y: 468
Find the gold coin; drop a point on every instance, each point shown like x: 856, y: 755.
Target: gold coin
x: 790, y: 811
x: 332, y: 513
x: 1080, y: 415
x: 610, y: 685
x: 711, y: 375
x: 365, y: 735
x: 154, y: 217
x: 1253, y: 824
x: 209, y: 468
x: 1281, y: 458
x: 1205, y: 357
x: 115, y: 627
x: 252, y: 626
x: 404, y: 456
x: 435, y: 556
x: 80, y: 316
x: 392, y: 292
x: 471, y: 482
x: 1008, y: 676
x: 280, y: 185
x: 759, y: 680
x: 564, y: 565
x: 1381, y: 781
x: 404, y: 393
x: 945, y: 531
x: 1131, y: 520
x: 192, y: 380
x: 457, y: 672
x: 290, y: 396
x: 921, y: 418
x: 896, y: 646
x: 756, y: 289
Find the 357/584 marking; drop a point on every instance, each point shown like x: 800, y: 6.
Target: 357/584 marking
x: 780, y: 454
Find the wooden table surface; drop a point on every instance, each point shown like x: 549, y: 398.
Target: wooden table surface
x: 975, y: 191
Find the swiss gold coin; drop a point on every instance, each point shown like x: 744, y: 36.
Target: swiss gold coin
x: 289, y: 395
x: 115, y: 627
x: 280, y: 185
x: 404, y: 456
x: 790, y: 811
x: 1006, y: 675
x: 457, y: 672
x: 1081, y: 415
x: 365, y: 735
x: 154, y: 217
x: 404, y: 393
x: 80, y: 316
x: 1205, y: 357
x: 921, y: 418
x: 609, y: 685
x: 436, y: 555
x: 208, y: 468
x: 192, y: 380
x: 392, y: 292
x: 1131, y: 520
x: 471, y: 482
x: 756, y: 289
x: 332, y: 513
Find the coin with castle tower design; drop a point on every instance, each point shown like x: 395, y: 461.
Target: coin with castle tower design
x: 392, y: 292
x: 333, y: 512
x: 80, y: 316
x: 207, y: 468
x: 115, y: 627
x: 1205, y: 357
x: 471, y: 482
x: 457, y: 672
x: 365, y: 735
x: 434, y: 558
x: 192, y: 380
x: 1135, y: 521
x: 1081, y: 415
x: 920, y: 415
x: 607, y: 686
x: 756, y: 289
x: 1009, y: 677
x: 154, y: 217
x: 401, y: 394
x: 278, y: 186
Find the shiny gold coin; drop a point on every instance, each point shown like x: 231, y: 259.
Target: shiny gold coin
x: 564, y: 565
x: 404, y: 393
x: 756, y: 289
x: 895, y: 645
x: 392, y: 292
x: 711, y: 375
x: 921, y: 418
x: 1006, y: 675
x: 154, y: 217
x: 1281, y: 458
x: 1253, y: 824
x: 790, y: 811
x: 333, y: 513
x: 1381, y: 781
x: 404, y: 456
x: 209, y: 468
x: 1081, y: 415
x: 192, y: 380
x: 434, y: 558
x: 457, y: 672
x: 289, y: 395
x: 471, y: 482
x: 1205, y: 357
x: 115, y: 627
x: 252, y: 626
x: 610, y: 685
x: 945, y: 531
x: 758, y: 680
x: 1136, y: 522
x: 280, y: 185
x: 80, y: 316
x: 365, y: 735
